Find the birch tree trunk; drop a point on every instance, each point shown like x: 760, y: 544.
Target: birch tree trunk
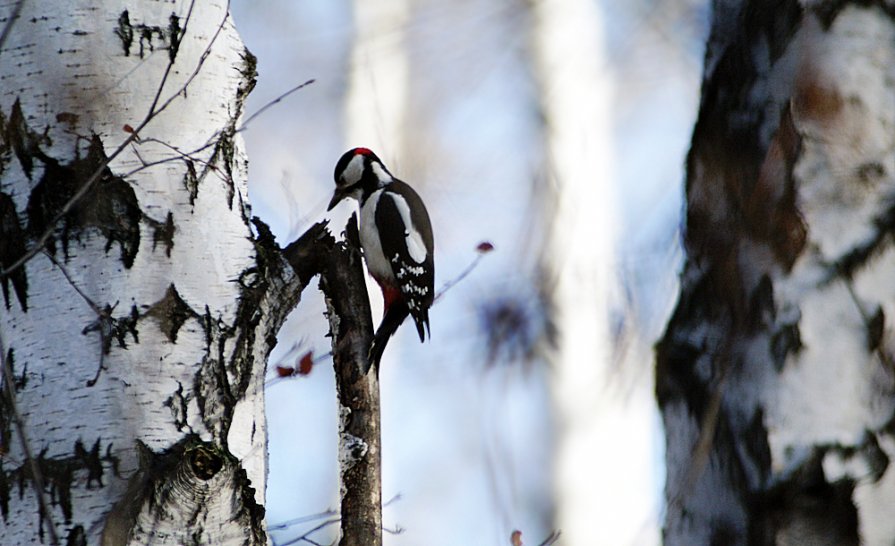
x: 775, y: 374
x: 568, y: 50
x: 137, y: 334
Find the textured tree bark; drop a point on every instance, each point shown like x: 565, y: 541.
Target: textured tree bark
x: 351, y: 328
x: 138, y: 327
x: 775, y: 375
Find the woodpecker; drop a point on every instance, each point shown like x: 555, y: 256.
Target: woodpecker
x: 396, y: 238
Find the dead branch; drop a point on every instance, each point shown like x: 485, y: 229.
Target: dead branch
x: 351, y: 326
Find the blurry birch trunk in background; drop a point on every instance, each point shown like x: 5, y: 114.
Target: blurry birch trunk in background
x: 575, y: 95
x: 775, y: 376
x: 376, y: 104
x: 136, y: 339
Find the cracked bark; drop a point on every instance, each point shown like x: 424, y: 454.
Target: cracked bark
x: 351, y: 328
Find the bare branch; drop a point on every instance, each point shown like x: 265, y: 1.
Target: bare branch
x: 13, y: 17
x: 551, y: 538
x: 306, y: 537
x: 103, y: 319
x: 171, y: 59
x: 273, y: 102
x: 302, y: 519
x: 483, y: 248
x: 351, y: 327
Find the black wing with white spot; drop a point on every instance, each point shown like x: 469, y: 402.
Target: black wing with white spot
x: 406, y: 239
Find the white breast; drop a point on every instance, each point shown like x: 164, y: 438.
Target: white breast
x: 369, y: 240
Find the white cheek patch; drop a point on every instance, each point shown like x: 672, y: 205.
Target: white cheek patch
x: 353, y: 171
x: 414, y: 241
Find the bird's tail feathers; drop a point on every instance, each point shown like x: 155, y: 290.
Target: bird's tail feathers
x: 393, y: 318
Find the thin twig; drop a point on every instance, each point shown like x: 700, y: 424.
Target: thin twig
x: 7, y: 29
x: 172, y: 58
x: 36, y: 476
x: 202, y: 59
x: 302, y: 519
x: 104, y: 317
x: 450, y: 284
x: 306, y: 537
x: 551, y: 538
x: 90, y: 302
x: 273, y: 102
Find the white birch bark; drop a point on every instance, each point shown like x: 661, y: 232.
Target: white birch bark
x: 775, y: 376
x: 376, y: 104
x: 172, y: 434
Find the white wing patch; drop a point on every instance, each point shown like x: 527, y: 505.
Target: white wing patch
x: 412, y: 238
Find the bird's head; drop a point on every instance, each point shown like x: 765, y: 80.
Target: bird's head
x: 359, y: 170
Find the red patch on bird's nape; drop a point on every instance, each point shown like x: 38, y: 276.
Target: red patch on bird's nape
x: 363, y: 151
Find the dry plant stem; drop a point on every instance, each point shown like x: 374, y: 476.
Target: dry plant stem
x: 37, y: 481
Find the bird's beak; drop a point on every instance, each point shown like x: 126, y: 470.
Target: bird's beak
x: 338, y: 195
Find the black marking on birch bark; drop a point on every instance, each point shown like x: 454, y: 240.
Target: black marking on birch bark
x: 6, y: 407
x: 115, y: 328
x: 76, y: 536
x: 178, y: 404
x: 12, y: 247
x: 223, y: 157
x: 163, y: 232
x: 807, y: 502
x: 59, y: 475
x: 125, y: 32
x: 5, y: 488
x: 785, y: 340
x: 761, y: 312
x: 861, y: 254
x: 191, y: 180
x: 168, y: 37
x: 875, y: 329
x: 171, y: 312
x: 175, y: 34
x: 249, y: 72
x: 20, y: 139
x: 110, y: 206
x: 6, y: 424
x: 827, y: 12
